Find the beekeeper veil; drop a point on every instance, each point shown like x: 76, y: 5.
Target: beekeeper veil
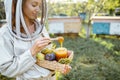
x: 19, y: 19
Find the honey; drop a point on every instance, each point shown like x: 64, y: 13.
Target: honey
x: 61, y: 53
x: 61, y: 40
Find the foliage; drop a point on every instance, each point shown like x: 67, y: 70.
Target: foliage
x: 109, y: 4
x: 73, y: 9
x: 69, y: 9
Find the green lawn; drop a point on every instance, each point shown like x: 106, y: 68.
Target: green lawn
x: 94, y: 58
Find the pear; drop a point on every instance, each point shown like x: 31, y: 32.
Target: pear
x: 47, y: 50
x: 40, y: 56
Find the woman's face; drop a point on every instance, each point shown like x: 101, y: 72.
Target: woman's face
x: 31, y: 8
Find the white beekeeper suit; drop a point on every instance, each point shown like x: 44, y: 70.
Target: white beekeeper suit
x: 15, y: 57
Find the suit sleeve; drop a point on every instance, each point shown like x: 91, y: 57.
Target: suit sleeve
x: 11, y: 65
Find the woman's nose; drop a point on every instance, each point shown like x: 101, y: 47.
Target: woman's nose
x: 37, y: 8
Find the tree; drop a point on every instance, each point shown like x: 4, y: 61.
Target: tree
x: 110, y: 5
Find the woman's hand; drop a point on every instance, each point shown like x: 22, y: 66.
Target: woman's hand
x: 67, y: 69
x: 39, y: 45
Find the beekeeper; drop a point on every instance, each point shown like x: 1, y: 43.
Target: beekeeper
x: 21, y: 38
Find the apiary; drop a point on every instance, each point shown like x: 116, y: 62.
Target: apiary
x: 58, y: 25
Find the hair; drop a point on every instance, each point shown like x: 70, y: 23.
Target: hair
x: 14, y: 3
x: 43, y: 15
x: 44, y: 11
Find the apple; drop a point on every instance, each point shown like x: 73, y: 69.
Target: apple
x: 40, y: 56
x: 50, y: 56
x: 69, y: 53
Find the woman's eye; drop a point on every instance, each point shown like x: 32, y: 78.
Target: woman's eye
x: 34, y: 5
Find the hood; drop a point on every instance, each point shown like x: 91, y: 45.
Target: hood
x: 20, y: 19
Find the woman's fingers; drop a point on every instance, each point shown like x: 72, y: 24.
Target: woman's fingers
x: 39, y: 45
x: 43, y: 41
x: 67, y: 69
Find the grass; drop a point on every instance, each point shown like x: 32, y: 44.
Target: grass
x: 95, y: 58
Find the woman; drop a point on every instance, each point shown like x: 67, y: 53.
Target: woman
x: 22, y: 38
